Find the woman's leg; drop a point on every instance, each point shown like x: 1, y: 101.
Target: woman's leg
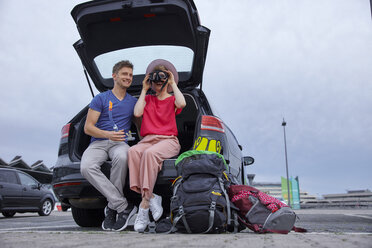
x: 134, y: 158
x: 151, y: 162
x: 162, y: 147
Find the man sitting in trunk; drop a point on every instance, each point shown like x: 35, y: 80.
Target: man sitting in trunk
x: 109, y: 118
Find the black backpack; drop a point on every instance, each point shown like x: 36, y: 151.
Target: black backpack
x: 200, y: 202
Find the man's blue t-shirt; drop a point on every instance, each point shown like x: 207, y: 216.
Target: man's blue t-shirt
x: 122, y: 111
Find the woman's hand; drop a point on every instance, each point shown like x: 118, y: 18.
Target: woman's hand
x: 146, y: 84
x: 180, y: 99
x: 170, y: 78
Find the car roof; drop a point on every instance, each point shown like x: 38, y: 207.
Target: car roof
x: 113, y: 30
x: 10, y: 169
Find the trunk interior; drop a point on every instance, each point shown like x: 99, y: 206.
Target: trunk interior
x: 185, y: 124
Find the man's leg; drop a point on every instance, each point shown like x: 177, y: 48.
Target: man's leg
x: 90, y: 168
x: 119, y: 157
x: 118, y: 154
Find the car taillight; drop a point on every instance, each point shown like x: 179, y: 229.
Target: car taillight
x: 66, y: 184
x: 115, y: 19
x: 149, y: 15
x: 65, y: 130
x: 211, y: 123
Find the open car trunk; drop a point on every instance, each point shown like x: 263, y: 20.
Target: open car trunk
x: 141, y: 31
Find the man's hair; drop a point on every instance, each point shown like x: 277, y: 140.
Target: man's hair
x: 124, y: 63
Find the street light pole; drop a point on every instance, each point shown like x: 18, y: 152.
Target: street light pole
x: 286, y: 162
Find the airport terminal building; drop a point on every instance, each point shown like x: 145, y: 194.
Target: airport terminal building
x: 350, y: 199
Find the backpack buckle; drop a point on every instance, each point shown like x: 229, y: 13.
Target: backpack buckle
x: 180, y: 210
x: 151, y: 227
x: 213, y: 206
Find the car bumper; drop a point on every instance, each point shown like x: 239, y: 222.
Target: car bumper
x: 72, y: 189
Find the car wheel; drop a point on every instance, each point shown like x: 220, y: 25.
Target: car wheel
x: 46, y: 208
x: 88, y: 217
x: 8, y: 214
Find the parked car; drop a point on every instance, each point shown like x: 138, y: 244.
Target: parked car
x: 20, y: 193
x: 141, y: 31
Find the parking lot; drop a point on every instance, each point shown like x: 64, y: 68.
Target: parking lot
x: 326, y: 228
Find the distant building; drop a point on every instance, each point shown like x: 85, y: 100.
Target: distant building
x: 18, y: 163
x: 38, y: 170
x: 306, y: 197
x: 40, y: 166
x: 353, y: 198
x: 275, y: 189
x: 2, y: 162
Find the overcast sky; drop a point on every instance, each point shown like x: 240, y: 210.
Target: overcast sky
x: 307, y: 61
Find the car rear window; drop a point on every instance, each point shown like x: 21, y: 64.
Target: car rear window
x: 181, y: 57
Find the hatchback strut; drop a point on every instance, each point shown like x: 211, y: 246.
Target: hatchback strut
x: 90, y: 86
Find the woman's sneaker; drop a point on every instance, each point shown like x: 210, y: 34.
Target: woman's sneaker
x: 142, y: 220
x: 124, y: 217
x: 155, y: 207
x: 110, y: 219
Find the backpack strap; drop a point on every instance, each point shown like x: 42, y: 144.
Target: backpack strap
x: 180, y: 215
x: 274, y: 231
x: 212, y: 209
x: 173, y: 228
x: 222, y: 186
x: 299, y: 229
x: 236, y: 223
x: 268, y: 217
x: 296, y: 229
x: 179, y: 181
x: 250, y: 226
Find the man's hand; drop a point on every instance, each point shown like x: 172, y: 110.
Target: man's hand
x: 116, y: 136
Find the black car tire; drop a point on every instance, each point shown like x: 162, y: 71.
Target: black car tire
x: 8, y: 214
x: 46, y: 208
x: 88, y: 217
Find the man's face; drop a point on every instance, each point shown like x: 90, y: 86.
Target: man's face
x: 124, y: 77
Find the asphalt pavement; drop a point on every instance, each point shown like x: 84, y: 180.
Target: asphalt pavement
x: 326, y: 228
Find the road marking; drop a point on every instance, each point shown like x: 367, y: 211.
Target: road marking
x: 337, y: 233
x: 36, y: 227
x: 28, y: 229
x: 359, y: 215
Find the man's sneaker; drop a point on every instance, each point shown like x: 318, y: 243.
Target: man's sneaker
x: 155, y: 207
x: 124, y: 217
x: 110, y: 219
x: 142, y: 220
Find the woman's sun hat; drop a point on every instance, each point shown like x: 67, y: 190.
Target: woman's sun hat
x: 168, y: 65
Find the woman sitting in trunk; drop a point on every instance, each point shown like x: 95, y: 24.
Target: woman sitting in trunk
x: 159, y: 132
